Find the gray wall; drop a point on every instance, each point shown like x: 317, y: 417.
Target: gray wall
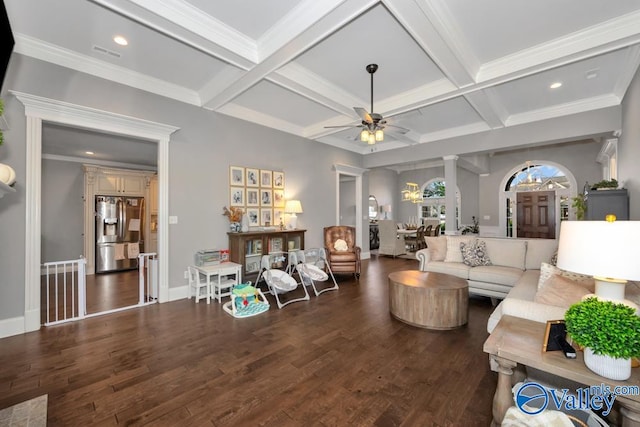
x: 578, y: 157
x: 62, y: 210
x: 629, y: 146
x: 200, y: 154
x: 348, y: 202
x: 383, y: 184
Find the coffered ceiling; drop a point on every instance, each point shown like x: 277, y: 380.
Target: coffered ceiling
x: 446, y: 67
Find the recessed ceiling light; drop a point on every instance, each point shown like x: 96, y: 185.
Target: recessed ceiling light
x: 120, y: 40
x: 555, y: 85
x: 91, y: 153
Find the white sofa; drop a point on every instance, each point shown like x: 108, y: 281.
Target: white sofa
x: 513, y: 275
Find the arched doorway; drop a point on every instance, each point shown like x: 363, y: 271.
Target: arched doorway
x: 433, y: 201
x: 535, y: 197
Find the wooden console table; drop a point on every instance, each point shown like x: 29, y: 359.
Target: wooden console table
x: 519, y: 341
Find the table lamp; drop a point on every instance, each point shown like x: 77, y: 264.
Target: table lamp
x: 604, y: 250
x: 293, y: 207
x: 386, y: 209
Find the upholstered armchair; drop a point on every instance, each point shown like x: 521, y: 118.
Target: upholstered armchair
x: 342, y: 257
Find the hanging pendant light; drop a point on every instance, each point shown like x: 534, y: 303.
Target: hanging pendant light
x: 411, y: 193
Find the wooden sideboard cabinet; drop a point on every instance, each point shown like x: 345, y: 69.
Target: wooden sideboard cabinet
x: 248, y: 248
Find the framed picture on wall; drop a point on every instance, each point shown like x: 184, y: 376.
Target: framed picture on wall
x: 254, y: 217
x: 236, y: 175
x: 266, y: 217
x: 266, y: 178
x: 266, y: 197
x: 278, y: 198
x: 278, y: 179
x: 253, y: 197
x: 253, y: 177
x: 236, y: 196
x: 278, y: 217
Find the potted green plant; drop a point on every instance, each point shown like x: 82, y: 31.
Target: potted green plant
x: 609, y: 184
x: 579, y: 203
x: 609, y: 333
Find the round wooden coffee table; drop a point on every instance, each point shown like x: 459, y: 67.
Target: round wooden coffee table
x: 429, y: 300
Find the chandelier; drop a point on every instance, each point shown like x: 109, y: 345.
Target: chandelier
x: 411, y: 193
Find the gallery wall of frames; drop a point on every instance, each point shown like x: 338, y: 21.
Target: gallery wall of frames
x: 260, y: 193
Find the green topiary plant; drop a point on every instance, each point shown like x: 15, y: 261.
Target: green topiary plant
x: 579, y: 203
x: 605, y: 184
x: 607, y: 328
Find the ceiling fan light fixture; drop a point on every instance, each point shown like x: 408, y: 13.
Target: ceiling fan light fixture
x: 372, y: 139
x: 364, y: 135
x: 379, y: 135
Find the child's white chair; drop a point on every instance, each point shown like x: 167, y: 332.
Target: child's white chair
x: 197, y: 282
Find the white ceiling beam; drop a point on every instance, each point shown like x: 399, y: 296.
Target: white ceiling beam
x: 327, y: 24
x: 430, y: 29
x: 149, y: 17
x: 631, y: 63
x: 612, y: 35
x: 488, y: 107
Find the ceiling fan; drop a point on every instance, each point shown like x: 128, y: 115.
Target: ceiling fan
x: 373, y: 124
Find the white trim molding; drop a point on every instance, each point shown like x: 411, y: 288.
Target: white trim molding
x: 357, y: 173
x: 39, y: 109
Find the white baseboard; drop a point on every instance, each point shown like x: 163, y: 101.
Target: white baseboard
x: 179, y: 292
x: 490, y: 231
x: 11, y: 327
x: 365, y: 255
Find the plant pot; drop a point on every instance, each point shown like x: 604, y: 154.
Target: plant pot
x: 607, y: 366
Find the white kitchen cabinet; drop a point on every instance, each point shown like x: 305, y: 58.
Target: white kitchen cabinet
x: 121, y: 184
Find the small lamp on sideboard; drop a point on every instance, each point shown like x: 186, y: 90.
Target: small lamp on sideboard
x: 293, y: 207
x: 386, y: 209
x: 604, y: 250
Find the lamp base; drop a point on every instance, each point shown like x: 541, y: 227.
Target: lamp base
x: 293, y: 222
x: 612, y: 290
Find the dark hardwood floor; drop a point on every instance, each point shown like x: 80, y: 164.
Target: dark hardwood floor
x: 339, y: 359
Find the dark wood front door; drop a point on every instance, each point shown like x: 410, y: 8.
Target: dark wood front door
x: 537, y: 214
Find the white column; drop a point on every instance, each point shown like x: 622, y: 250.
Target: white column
x: 33, y: 231
x: 451, y: 183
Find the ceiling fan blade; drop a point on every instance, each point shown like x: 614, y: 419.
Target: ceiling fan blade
x: 364, y: 115
x: 398, y: 129
x: 343, y: 126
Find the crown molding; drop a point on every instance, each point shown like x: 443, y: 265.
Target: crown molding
x: 84, y: 160
x: 454, y: 132
x: 54, y: 54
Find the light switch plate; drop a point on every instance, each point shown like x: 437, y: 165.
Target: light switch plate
x: 173, y: 219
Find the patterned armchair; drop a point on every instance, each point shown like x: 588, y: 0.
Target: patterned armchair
x: 342, y: 261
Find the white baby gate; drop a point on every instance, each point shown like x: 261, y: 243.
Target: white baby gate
x: 65, y: 287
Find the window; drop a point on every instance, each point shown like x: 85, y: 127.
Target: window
x: 433, y: 204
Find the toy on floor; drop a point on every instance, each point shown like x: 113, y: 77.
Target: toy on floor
x: 246, y: 301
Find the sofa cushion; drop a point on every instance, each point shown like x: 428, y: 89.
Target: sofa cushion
x: 548, y: 270
x: 507, y: 252
x: 495, y: 274
x: 454, y: 253
x: 561, y: 292
x: 437, y: 247
x: 474, y: 253
x: 526, y: 286
x: 539, y: 251
x: 457, y: 269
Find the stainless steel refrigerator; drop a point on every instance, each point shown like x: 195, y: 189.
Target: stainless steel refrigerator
x: 119, y: 232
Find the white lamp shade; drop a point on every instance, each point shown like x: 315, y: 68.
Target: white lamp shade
x: 600, y: 248
x: 386, y: 208
x: 293, y: 207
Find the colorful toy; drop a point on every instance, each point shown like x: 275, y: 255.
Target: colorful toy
x: 246, y: 301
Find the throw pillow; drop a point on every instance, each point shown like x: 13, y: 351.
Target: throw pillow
x: 437, y: 247
x: 454, y: 254
x: 340, y: 245
x: 561, y: 291
x: 548, y: 270
x: 475, y: 253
